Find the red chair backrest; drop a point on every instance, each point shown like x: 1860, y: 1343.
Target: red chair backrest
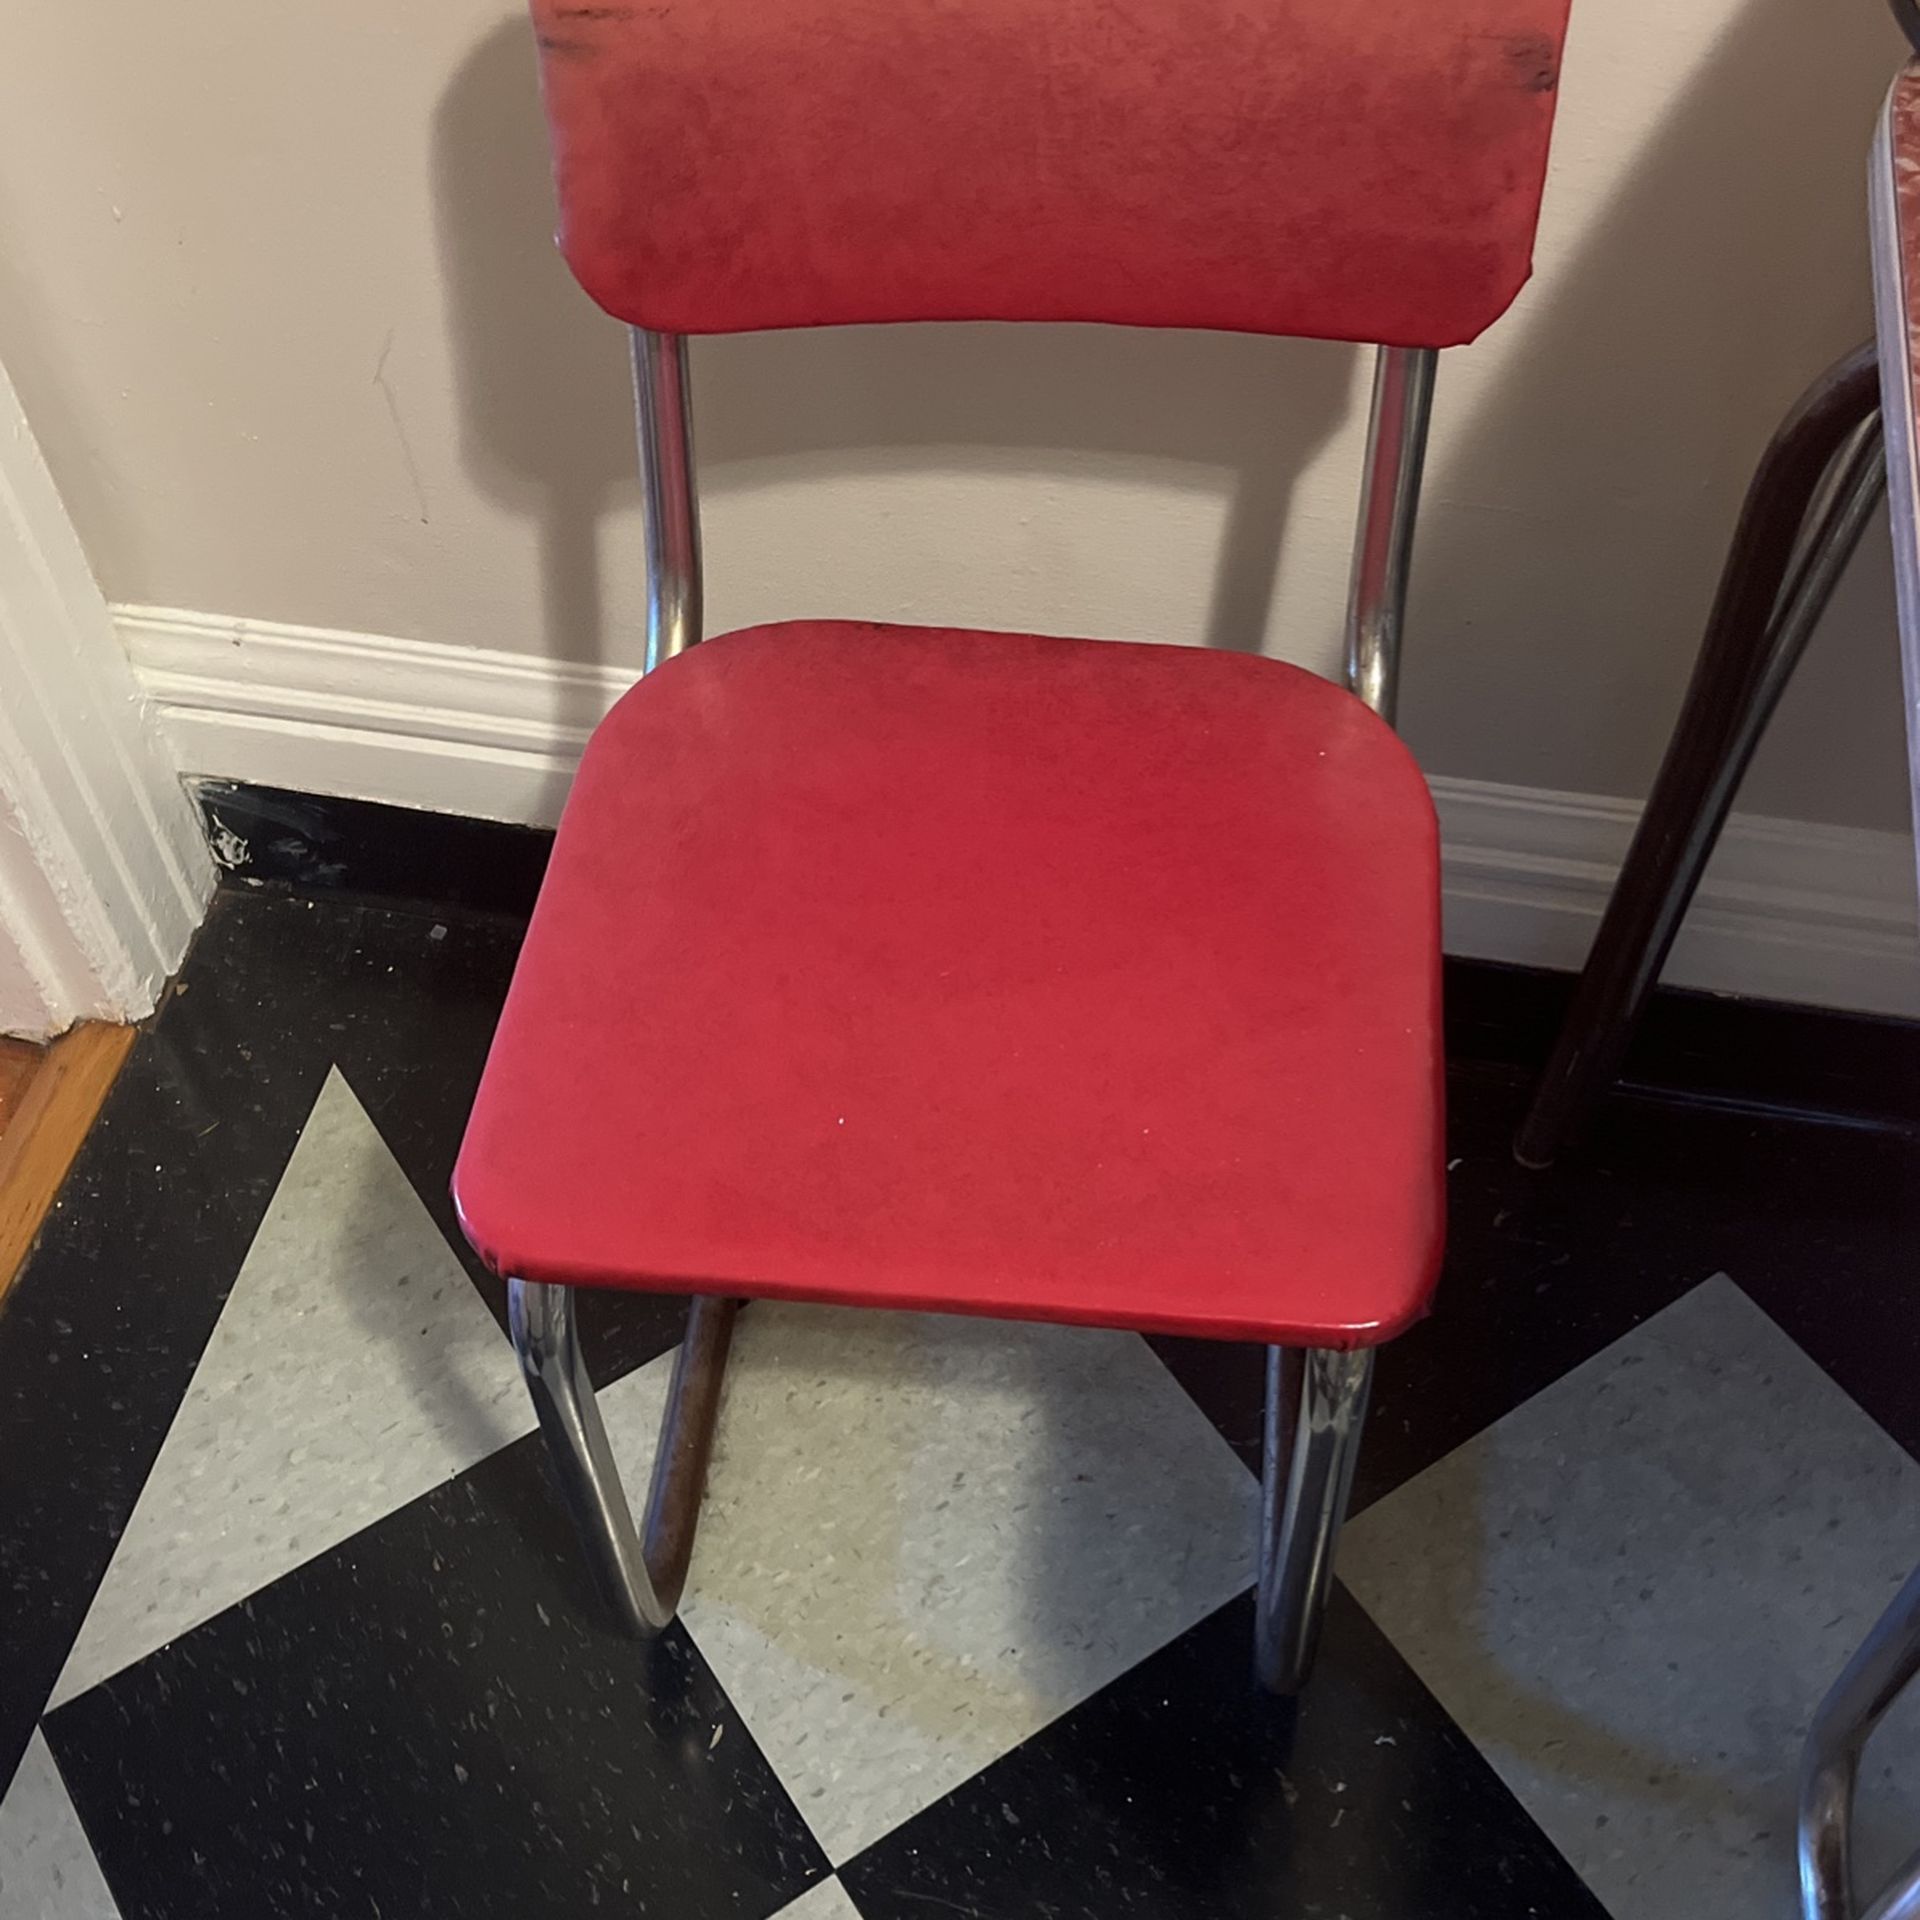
x: 1355, y: 169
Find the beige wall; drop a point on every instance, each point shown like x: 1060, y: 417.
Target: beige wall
x: 276, y: 288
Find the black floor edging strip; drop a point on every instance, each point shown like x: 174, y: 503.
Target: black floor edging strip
x: 316, y: 843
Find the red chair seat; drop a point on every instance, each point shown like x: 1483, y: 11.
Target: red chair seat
x: 987, y: 973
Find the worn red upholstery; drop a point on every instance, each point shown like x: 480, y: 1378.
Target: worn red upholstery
x: 1048, y: 979
x: 1354, y: 169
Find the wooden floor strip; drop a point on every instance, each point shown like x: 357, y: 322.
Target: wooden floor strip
x: 18, y: 1059
x: 46, y: 1121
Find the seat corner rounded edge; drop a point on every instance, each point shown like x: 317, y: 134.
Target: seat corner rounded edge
x: 1389, y: 746
x: 471, y: 1215
x: 1390, y: 1326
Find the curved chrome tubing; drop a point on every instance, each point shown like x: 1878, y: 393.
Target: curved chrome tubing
x: 1317, y: 1399
x: 640, y: 1573
x: 1901, y: 1901
x: 1316, y: 1407
x: 1870, y: 1683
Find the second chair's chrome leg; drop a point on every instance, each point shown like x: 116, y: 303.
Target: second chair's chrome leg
x: 1316, y: 1407
x: 1872, y: 1680
x: 641, y: 1575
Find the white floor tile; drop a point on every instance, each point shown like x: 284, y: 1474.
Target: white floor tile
x: 1632, y: 1591
x: 926, y: 1537
x: 827, y: 1901
x: 353, y: 1368
x: 47, y: 1869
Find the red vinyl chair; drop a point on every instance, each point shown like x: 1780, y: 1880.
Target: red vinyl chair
x: 982, y: 972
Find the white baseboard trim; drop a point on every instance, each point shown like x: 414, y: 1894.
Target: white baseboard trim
x: 1790, y: 910
x: 415, y: 722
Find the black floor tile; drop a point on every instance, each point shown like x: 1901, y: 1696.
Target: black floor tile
x: 102, y: 1330
x: 434, y: 1719
x: 101, y: 1333
x: 417, y: 998
x: 1714, y: 1046
x: 431, y: 1719
x: 1817, y: 1220
x: 1182, y: 1793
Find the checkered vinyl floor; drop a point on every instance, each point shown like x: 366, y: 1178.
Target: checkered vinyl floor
x: 295, y: 1625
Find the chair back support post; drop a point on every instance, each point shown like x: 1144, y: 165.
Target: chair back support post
x: 1389, y: 503
x: 663, y: 419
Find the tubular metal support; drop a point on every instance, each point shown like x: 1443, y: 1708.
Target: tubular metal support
x: 1901, y: 1901
x: 1809, y: 501
x: 1317, y: 1398
x: 1389, y: 501
x: 664, y: 420
x: 1316, y: 1407
x: 640, y: 1575
x: 1869, y: 1684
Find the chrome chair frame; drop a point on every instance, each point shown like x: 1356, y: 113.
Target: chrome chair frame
x: 1316, y: 1398
x: 1869, y: 1684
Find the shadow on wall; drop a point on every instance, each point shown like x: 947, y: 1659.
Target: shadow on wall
x: 1001, y: 398
x: 544, y: 403
x: 545, y: 411
x: 1577, y: 521
x: 1576, y: 515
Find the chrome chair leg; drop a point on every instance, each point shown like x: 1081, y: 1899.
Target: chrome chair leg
x: 1316, y: 1397
x: 1869, y: 1684
x: 1810, y: 499
x: 1316, y: 1407
x: 641, y: 1574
